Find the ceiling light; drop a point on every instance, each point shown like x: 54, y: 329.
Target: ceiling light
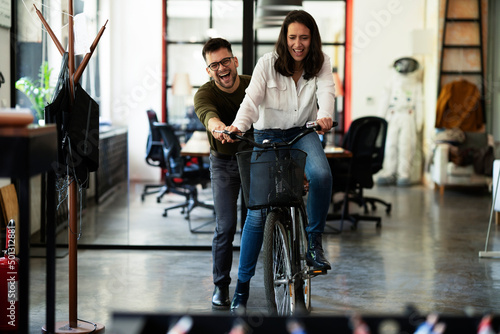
x: 271, y: 13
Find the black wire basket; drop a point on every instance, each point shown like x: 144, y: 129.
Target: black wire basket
x: 273, y: 177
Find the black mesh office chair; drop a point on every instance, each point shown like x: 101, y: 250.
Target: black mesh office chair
x: 366, y: 141
x: 182, y: 174
x: 154, y: 157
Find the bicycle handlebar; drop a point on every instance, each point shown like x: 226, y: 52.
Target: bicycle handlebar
x: 310, y: 127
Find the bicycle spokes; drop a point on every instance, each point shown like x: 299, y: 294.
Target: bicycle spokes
x: 278, y: 279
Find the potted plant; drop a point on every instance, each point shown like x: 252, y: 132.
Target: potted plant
x: 38, y: 91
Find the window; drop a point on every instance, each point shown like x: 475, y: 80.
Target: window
x: 191, y: 22
x: 330, y: 18
x: 35, y: 48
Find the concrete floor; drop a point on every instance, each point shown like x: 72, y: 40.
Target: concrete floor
x: 425, y: 254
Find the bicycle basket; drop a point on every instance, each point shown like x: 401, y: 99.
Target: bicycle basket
x: 272, y: 177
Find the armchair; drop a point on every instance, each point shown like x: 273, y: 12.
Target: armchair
x: 461, y: 159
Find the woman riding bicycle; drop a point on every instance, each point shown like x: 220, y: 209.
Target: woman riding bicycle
x: 286, y: 89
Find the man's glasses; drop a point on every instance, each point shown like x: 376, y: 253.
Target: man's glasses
x: 224, y: 62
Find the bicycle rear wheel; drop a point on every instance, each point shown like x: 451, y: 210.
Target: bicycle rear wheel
x: 278, y: 280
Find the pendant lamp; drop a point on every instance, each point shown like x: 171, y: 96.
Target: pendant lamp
x: 271, y: 13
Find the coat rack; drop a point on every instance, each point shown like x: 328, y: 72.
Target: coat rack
x: 73, y: 325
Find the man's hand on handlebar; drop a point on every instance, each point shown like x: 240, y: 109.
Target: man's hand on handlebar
x: 230, y: 128
x: 216, y: 124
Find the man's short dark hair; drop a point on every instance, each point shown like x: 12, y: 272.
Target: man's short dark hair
x: 214, y: 44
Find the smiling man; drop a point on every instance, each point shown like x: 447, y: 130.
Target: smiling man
x: 216, y: 104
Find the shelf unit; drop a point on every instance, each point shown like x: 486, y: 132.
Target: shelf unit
x: 449, y: 68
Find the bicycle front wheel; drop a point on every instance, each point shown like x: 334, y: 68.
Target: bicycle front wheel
x: 278, y: 279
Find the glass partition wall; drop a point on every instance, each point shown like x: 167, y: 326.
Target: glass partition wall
x: 190, y: 23
x: 36, y: 68
x: 111, y: 211
x: 330, y: 17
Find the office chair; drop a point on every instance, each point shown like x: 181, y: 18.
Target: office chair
x: 365, y: 139
x: 154, y: 157
x: 183, y: 174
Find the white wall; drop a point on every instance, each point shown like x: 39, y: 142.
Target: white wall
x: 5, y: 68
x: 431, y: 74
x: 131, y: 51
x: 382, y: 33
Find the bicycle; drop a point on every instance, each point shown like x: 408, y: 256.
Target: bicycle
x: 287, y: 277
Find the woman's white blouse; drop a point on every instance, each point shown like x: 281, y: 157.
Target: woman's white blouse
x: 273, y: 101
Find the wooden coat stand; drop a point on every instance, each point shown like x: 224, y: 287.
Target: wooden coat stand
x: 73, y: 325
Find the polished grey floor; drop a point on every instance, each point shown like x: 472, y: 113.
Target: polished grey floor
x: 425, y: 254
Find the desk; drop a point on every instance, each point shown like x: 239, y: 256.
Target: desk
x: 25, y: 152
x: 197, y: 145
x: 333, y: 152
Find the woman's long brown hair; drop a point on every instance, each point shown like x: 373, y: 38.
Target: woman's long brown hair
x: 313, y: 62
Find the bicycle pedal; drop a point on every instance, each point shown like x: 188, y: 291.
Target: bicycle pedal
x: 316, y: 272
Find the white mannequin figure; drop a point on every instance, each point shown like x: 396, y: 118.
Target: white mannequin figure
x: 402, y: 107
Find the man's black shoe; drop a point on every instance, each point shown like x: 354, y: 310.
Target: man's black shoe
x: 220, y: 298
x: 315, y: 256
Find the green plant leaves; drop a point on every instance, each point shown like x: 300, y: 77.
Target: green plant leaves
x: 38, y: 92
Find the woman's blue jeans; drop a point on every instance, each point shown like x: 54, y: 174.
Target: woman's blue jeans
x: 318, y: 201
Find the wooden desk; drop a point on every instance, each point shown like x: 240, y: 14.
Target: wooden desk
x: 197, y: 145
x: 25, y: 152
x: 333, y: 152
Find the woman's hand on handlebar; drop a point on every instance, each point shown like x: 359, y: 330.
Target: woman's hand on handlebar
x: 230, y: 128
x: 326, y: 124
